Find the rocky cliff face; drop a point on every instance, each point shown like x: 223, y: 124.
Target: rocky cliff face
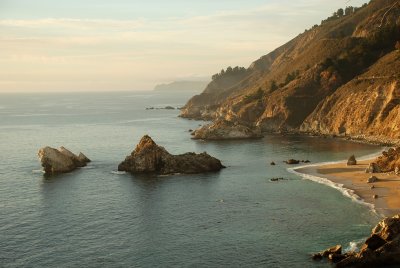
x: 148, y: 157
x: 340, y: 77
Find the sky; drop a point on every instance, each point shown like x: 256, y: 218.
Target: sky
x: 104, y: 45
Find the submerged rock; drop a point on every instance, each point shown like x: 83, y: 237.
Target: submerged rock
x: 60, y: 160
x: 352, y: 161
x: 381, y: 249
x: 148, y: 157
x: 225, y: 130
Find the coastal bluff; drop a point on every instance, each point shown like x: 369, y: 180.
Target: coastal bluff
x: 148, y: 157
x: 55, y: 161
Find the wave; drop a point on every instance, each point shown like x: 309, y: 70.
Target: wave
x: 338, y: 186
x: 38, y: 171
x: 118, y: 172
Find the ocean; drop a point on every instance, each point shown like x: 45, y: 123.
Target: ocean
x: 97, y: 217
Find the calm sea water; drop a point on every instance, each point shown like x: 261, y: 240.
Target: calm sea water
x: 96, y: 218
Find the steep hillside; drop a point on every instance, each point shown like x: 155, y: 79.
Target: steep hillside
x: 287, y: 89
x: 369, y: 105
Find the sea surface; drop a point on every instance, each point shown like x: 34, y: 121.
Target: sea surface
x: 97, y: 217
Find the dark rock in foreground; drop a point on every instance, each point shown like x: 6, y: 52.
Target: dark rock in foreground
x: 60, y: 160
x: 148, y: 157
x: 381, y: 249
x: 225, y: 130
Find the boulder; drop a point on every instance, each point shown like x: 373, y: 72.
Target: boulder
x: 372, y: 179
x: 292, y: 162
x: 148, y: 157
x: 397, y: 171
x: 225, y: 130
x: 373, y: 168
x: 381, y: 249
x: 273, y: 163
x: 352, y: 161
x: 60, y: 160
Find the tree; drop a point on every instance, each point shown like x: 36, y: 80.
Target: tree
x: 273, y: 86
x: 340, y: 12
x: 349, y: 10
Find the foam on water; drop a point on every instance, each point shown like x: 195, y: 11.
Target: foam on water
x: 118, y: 172
x: 338, y: 186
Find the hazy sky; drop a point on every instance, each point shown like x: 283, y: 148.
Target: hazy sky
x: 64, y: 45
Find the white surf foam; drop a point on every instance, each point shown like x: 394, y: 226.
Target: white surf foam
x: 38, y: 171
x: 118, y: 172
x: 338, y: 186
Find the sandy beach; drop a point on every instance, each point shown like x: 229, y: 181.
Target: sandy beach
x: 387, y: 188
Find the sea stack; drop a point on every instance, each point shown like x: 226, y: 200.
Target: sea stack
x: 352, y: 161
x: 148, y: 157
x: 60, y: 160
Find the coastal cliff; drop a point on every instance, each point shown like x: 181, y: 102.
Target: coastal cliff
x: 341, y: 77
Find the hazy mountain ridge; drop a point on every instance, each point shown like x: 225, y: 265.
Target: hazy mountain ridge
x: 182, y: 85
x: 288, y: 89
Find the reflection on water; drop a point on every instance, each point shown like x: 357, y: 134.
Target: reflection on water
x: 96, y: 217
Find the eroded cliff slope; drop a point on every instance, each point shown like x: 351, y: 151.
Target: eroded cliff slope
x: 308, y: 83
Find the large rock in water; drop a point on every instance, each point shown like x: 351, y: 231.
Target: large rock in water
x: 381, y: 249
x: 225, y: 130
x: 148, y: 157
x: 60, y: 160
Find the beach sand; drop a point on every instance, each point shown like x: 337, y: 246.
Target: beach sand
x: 354, y: 178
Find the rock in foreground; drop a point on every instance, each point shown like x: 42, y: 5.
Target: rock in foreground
x: 148, y: 157
x: 60, y: 160
x: 381, y: 249
x: 225, y: 130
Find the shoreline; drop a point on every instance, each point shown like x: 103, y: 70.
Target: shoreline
x: 351, y: 181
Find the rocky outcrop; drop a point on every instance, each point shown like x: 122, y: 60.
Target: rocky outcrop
x: 352, y: 161
x: 389, y: 160
x: 381, y: 249
x: 148, y: 157
x: 60, y: 160
x: 224, y: 130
